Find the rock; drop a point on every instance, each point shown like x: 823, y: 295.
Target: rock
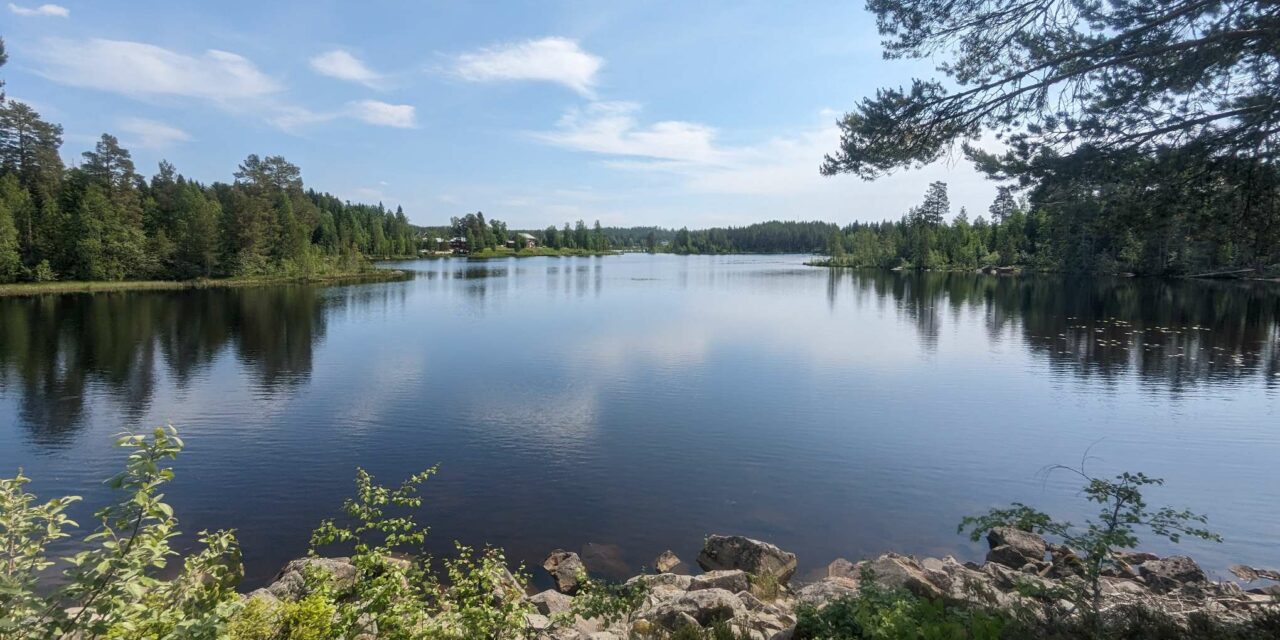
x: 753, y: 556
x: 894, y: 571
x: 1250, y: 574
x: 1272, y: 590
x: 1065, y: 562
x: 666, y: 562
x: 605, y: 560
x: 1171, y: 573
x: 291, y: 583
x: 551, y: 602
x: 732, y: 580
x: 537, y: 621
x: 565, y: 567
x: 664, y: 581
x: 841, y: 568
x: 822, y: 592
x: 1015, y: 547
x: 1134, y: 557
x: 703, y: 607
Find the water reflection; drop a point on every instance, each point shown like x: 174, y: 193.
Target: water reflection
x: 1181, y: 331
x: 54, y: 348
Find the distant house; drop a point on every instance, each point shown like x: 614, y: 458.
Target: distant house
x: 458, y: 244
x: 527, y: 240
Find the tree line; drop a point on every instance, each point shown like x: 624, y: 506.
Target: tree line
x: 101, y: 220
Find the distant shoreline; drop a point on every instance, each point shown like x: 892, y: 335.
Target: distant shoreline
x: 27, y: 289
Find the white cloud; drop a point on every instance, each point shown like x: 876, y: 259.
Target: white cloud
x: 558, y: 60
x: 151, y: 134
x: 344, y: 66
x: 612, y: 128
x: 140, y: 69
x: 52, y: 10
x: 384, y: 114
x: 773, y: 178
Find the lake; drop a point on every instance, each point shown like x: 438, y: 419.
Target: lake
x: 641, y: 402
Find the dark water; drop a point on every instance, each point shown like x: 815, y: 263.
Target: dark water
x: 644, y: 401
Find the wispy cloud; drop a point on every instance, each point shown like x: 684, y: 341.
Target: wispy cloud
x: 613, y: 128
x: 343, y: 65
x: 384, y: 114
x: 140, y: 69
x: 151, y: 134
x: 49, y: 10
x: 558, y: 60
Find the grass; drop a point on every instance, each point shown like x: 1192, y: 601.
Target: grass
x: 80, y: 286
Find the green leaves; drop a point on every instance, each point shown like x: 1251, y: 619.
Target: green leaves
x: 111, y: 586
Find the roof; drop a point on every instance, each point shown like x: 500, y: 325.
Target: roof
x: 526, y: 236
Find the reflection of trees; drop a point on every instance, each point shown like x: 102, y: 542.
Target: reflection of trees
x: 53, y: 349
x: 1181, y: 331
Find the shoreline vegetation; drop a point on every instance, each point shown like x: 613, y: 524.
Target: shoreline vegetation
x: 1041, y: 578
x: 75, y: 286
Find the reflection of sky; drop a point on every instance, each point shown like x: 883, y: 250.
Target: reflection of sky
x: 648, y: 400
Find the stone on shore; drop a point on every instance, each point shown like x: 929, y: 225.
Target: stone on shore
x: 551, y: 602
x: 667, y: 561
x: 703, y: 607
x: 733, y: 580
x: 290, y: 584
x: 1171, y: 573
x: 753, y: 556
x: 565, y: 567
x: 1015, y: 548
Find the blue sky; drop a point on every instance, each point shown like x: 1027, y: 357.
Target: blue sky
x: 674, y: 113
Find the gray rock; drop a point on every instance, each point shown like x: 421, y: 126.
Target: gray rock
x: 753, y: 556
x: 896, y: 571
x: 841, y: 568
x: 822, y: 592
x: 733, y: 580
x: 551, y: 602
x: 704, y: 607
x: 667, y: 561
x: 565, y: 567
x: 1021, y: 545
x: 1171, y: 573
x: 664, y: 581
x: 291, y: 583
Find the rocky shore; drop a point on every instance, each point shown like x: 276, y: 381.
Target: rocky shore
x: 748, y: 584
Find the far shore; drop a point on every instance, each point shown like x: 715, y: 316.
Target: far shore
x: 80, y: 286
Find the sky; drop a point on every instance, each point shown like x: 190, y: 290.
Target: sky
x: 632, y: 113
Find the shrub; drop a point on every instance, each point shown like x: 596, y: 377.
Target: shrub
x: 112, y: 587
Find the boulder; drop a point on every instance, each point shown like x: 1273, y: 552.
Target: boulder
x: 565, y: 567
x: 551, y: 602
x: 666, y: 562
x: 894, y: 571
x: 1014, y: 547
x: 291, y: 583
x: 661, y: 581
x: 826, y: 590
x: 1171, y: 573
x: 733, y: 580
x: 704, y: 607
x: 841, y: 568
x: 753, y: 556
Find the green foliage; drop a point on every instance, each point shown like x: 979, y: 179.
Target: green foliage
x: 880, y: 614
x: 259, y: 619
x: 113, y: 587
x: 608, y: 601
x: 310, y: 618
x: 1122, y: 511
x: 483, y: 599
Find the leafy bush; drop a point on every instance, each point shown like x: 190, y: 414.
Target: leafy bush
x: 112, y: 587
x: 896, y: 615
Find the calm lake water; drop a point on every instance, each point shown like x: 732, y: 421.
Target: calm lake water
x: 640, y: 402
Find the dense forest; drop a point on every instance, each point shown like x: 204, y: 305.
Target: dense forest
x: 102, y: 220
